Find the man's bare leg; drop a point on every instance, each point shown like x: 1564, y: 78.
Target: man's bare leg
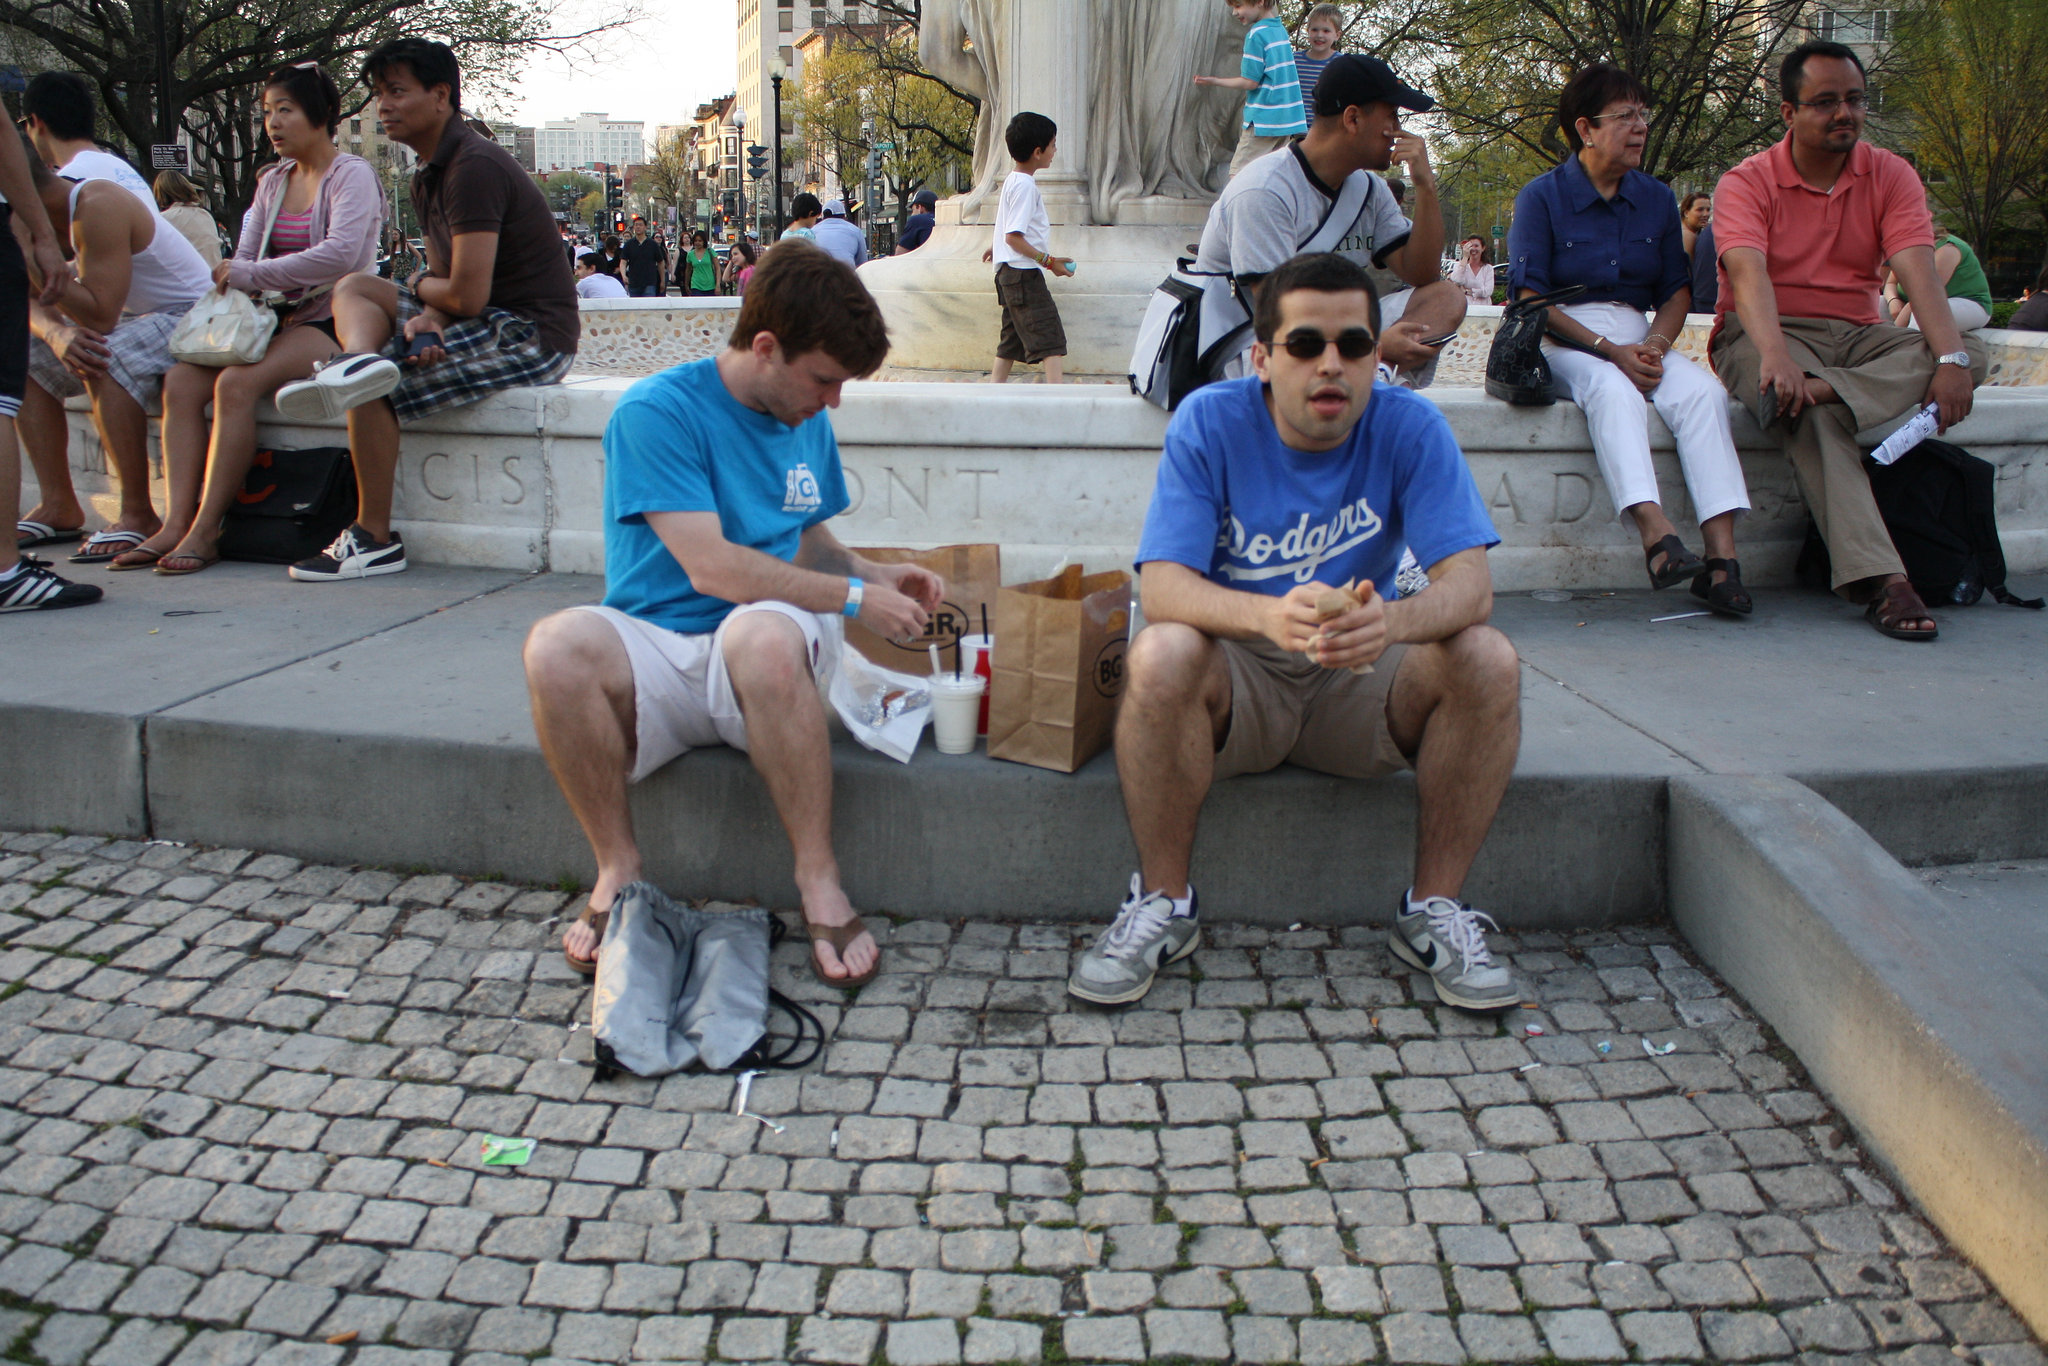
x: 365, y: 318
x: 1456, y: 708
x: 787, y: 739
x: 580, y: 681
x: 124, y: 435
x: 46, y: 436
x: 1173, y: 715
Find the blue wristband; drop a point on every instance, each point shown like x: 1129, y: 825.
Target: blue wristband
x: 853, y: 597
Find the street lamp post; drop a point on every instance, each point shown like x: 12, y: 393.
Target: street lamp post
x: 775, y: 75
x: 739, y: 123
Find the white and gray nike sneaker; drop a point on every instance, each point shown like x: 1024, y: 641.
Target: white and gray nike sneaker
x: 1145, y: 936
x: 1442, y: 937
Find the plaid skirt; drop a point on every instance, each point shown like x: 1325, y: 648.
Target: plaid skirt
x: 494, y: 350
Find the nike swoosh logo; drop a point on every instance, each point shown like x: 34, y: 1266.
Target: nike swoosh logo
x: 1428, y: 953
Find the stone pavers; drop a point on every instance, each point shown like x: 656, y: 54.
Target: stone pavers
x: 241, y: 1097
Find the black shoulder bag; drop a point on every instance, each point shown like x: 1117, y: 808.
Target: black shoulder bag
x: 1516, y: 370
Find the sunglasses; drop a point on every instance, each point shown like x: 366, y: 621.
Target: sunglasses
x: 1353, y: 343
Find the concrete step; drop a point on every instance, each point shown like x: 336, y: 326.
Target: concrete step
x: 386, y: 721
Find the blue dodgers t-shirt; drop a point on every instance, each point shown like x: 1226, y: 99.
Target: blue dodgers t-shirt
x: 680, y: 442
x: 1236, y: 504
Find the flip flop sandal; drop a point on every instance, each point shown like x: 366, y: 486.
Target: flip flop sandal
x: 126, y: 560
x: 105, y: 545
x: 1898, y: 602
x: 193, y: 563
x: 840, y: 937
x: 597, y: 920
x: 27, y: 533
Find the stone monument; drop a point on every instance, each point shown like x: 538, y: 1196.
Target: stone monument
x: 1142, y: 153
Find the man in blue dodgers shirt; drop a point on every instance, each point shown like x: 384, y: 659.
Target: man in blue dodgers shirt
x: 719, y: 578
x: 1272, y: 490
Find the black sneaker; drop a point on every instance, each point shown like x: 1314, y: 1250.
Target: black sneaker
x: 36, y: 589
x: 355, y: 554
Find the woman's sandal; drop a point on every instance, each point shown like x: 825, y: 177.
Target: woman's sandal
x: 597, y: 920
x: 142, y: 557
x: 1727, y: 597
x: 1680, y: 564
x: 1897, y: 602
x: 840, y: 937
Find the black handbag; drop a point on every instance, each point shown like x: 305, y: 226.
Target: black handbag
x: 291, y: 507
x: 1515, y: 368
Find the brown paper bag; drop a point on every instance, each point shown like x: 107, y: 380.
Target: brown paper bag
x: 972, y: 574
x: 1059, y: 668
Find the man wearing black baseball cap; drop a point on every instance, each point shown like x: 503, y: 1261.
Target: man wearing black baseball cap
x: 919, y: 225
x: 1274, y: 206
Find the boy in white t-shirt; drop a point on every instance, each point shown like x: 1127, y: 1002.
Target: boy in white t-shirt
x: 1031, y: 331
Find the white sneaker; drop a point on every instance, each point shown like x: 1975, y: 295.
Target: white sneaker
x: 354, y: 555
x: 1442, y: 938
x: 338, y: 384
x: 1145, y: 936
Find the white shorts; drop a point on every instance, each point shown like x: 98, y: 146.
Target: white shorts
x: 682, y: 695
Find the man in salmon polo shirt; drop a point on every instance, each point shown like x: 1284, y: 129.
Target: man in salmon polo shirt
x: 1805, y: 229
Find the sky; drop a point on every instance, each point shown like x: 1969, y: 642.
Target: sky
x: 657, y: 71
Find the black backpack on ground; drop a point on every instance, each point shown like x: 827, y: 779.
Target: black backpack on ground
x: 1937, y: 502
x: 291, y: 507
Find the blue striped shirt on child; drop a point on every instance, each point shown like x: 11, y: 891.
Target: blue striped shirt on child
x: 1274, y: 109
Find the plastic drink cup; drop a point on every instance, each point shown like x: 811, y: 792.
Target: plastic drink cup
x: 956, y: 702
x: 981, y: 649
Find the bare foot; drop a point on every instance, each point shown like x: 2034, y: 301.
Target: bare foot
x: 828, y: 906
x: 580, y: 939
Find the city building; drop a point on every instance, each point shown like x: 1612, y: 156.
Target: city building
x: 589, y: 140
x: 769, y: 33
x: 518, y: 139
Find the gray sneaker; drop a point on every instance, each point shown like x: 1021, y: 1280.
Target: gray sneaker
x: 1145, y: 936
x: 1444, y: 940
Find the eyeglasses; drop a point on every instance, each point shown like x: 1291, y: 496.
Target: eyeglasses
x: 1641, y: 115
x: 1353, y: 343
x: 1855, y: 99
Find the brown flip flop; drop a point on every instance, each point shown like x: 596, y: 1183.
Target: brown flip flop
x: 192, y: 563
x: 597, y: 920
x: 142, y: 557
x: 840, y: 937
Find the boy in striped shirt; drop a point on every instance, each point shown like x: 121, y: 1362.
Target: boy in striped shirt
x: 1323, y: 27
x: 1273, y: 111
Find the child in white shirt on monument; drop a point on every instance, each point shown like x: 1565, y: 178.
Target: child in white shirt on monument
x: 1032, y: 331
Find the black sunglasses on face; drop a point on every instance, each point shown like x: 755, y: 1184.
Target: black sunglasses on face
x: 1353, y: 343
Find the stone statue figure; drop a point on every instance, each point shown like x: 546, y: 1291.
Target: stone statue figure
x: 1150, y: 131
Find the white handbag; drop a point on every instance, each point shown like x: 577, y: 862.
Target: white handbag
x: 226, y: 327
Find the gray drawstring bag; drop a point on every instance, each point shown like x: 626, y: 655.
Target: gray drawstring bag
x: 677, y: 986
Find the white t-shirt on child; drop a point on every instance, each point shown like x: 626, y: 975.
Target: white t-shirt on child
x: 1022, y: 210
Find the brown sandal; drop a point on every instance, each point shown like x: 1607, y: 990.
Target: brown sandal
x: 1895, y: 603
x: 840, y: 937
x: 597, y: 920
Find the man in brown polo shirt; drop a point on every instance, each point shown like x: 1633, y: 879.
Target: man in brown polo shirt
x: 494, y: 309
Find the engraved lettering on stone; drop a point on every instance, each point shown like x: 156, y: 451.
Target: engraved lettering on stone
x: 427, y: 476
x: 1504, y: 499
x: 920, y: 497
x: 506, y: 467
x: 856, y: 491
x: 1561, y: 493
x: 977, y: 474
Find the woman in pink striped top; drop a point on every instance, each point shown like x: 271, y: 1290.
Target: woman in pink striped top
x: 315, y: 218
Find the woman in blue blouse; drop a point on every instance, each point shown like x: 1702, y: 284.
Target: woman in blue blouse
x: 1600, y: 222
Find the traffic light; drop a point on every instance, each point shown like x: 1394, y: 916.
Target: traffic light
x: 757, y: 160
x: 614, y: 194
x: 730, y: 201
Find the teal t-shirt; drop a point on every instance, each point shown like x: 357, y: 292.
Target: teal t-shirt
x: 1274, y: 109
x: 680, y: 442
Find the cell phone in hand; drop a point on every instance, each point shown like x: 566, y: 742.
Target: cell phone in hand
x: 1438, y: 341
x: 420, y: 343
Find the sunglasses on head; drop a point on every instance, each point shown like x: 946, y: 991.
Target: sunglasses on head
x: 1353, y: 343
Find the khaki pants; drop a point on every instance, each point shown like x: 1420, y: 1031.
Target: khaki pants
x: 1878, y: 371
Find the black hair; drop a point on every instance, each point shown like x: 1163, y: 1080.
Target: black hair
x: 591, y: 259
x: 312, y: 90
x: 431, y: 64
x: 1591, y: 91
x: 63, y: 101
x: 1027, y: 134
x: 1792, y: 71
x: 805, y: 205
x: 1323, y: 271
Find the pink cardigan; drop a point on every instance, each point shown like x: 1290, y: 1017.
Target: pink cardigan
x: 348, y: 215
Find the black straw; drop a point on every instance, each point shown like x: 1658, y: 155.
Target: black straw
x: 984, y: 624
x: 959, y: 669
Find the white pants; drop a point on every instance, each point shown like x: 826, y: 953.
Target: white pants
x: 1968, y: 313
x: 1689, y: 399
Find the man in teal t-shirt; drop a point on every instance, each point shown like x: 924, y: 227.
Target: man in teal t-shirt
x: 1273, y: 110
x: 720, y: 582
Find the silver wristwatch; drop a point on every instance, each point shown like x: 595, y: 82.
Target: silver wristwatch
x: 1961, y: 358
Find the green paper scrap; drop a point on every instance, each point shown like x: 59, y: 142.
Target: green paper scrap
x: 506, y: 1152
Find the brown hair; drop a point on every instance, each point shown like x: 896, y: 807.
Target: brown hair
x: 1685, y: 204
x: 1591, y: 91
x: 172, y: 188
x: 810, y: 300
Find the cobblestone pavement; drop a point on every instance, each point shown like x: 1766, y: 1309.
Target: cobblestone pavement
x: 242, y: 1096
